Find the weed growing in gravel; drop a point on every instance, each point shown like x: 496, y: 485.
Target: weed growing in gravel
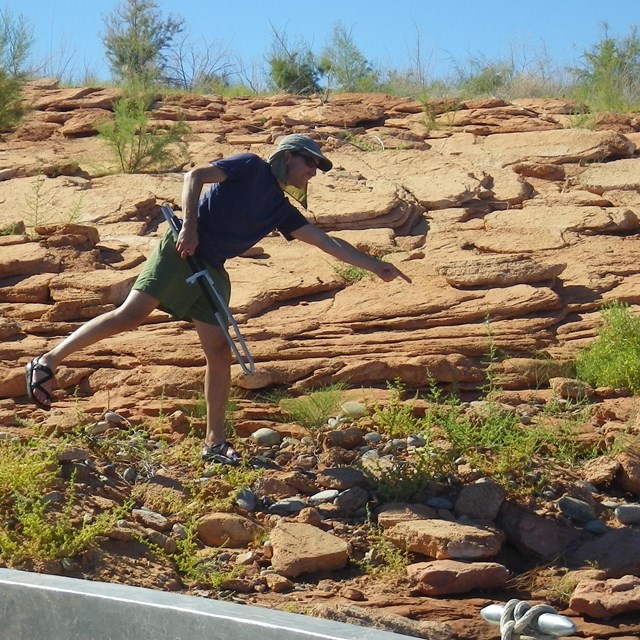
x: 402, y: 480
x: 313, y: 410
x: 38, y: 520
x: 613, y: 359
x: 490, y: 439
x: 493, y: 441
x: 132, y: 445
x: 192, y: 566
x: 395, y: 418
x: 383, y: 558
x: 229, y: 482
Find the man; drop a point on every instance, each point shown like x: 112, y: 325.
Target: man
x: 245, y: 202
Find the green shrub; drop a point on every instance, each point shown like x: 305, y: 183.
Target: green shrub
x: 136, y: 40
x: 10, y: 101
x: 345, y: 66
x: 32, y: 527
x: 395, y: 418
x: 403, y: 480
x: 383, y: 557
x: 137, y: 146
x: 312, y: 411
x: 292, y: 70
x: 613, y: 359
x: 16, y: 38
x: 349, y: 273
x: 608, y: 78
x: 493, y: 440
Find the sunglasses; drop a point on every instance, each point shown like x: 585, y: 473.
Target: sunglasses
x: 310, y: 161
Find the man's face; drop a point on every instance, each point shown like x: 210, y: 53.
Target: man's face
x: 301, y: 167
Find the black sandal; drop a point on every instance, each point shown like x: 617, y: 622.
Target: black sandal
x: 36, y: 385
x: 222, y: 453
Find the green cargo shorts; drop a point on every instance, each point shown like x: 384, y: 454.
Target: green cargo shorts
x: 164, y: 277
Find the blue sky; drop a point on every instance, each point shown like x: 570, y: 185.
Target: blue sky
x: 389, y: 34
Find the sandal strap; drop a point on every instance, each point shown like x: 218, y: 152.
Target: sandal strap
x: 48, y: 374
x: 37, y: 385
x: 223, y: 452
x: 223, y: 448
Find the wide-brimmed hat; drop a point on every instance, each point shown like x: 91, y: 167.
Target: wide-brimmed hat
x: 299, y: 143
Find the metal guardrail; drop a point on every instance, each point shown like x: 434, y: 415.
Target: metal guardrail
x: 220, y: 308
x: 34, y: 606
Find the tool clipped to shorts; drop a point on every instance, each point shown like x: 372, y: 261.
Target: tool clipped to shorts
x: 222, y: 312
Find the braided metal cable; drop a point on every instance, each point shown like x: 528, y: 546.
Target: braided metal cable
x: 519, y: 620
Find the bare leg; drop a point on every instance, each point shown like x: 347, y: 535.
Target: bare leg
x: 129, y: 315
x: 217, y: 382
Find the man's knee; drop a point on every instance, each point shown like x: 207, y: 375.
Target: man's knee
x: 216, y: 349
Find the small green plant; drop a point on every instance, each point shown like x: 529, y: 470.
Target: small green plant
x: 494, y: 441
x: 493, y: 357
x: 613, y: 359
x: 395, y: 418
x: 550, y: 582
x: 403, y: 480
x: 193, y: 567
x: 561, y: 588
x: 383, y: 557
x: 313, y: 410
x: 42, y: 205
x: 136, y: 145
x: 13, y: 229
x: 363, y: 142
x: 582, y: 120
x: 235, y: 480
x: 39, y: 203
x: 430, y: 116
x: 131, y: 444
x: 350, y: 273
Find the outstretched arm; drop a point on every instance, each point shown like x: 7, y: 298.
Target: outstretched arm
x: 348, y: 253
x: 194, y: 180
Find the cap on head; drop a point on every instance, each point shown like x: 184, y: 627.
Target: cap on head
x: 299, y: 143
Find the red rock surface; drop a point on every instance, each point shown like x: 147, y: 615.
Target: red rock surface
x: 514, y: 227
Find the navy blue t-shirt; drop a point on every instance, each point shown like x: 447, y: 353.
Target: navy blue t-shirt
x: 235, y: 214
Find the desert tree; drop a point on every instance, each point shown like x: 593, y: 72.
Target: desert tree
x: 292, y: 69
x: 136, y: 40
x: 16, y: 38
x: 342, y: 62
x: 608, y: 79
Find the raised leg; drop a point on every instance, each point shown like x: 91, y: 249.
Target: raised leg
x: 129, y: 315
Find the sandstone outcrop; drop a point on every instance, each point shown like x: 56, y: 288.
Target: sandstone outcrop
x: 514, y: 227
x: 498, y: 245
